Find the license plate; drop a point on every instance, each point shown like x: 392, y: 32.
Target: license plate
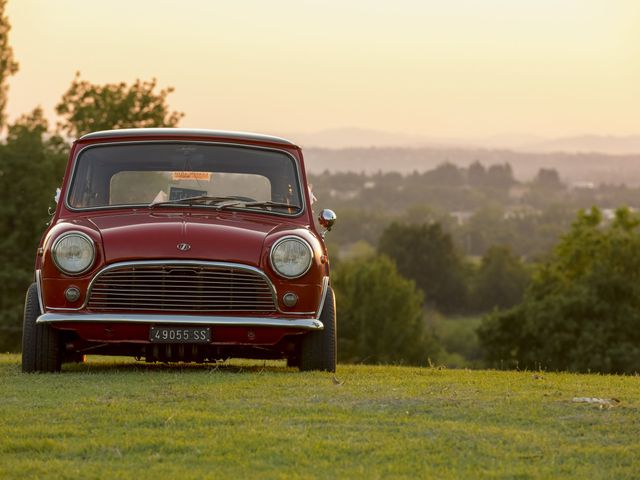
x: 179, y: 334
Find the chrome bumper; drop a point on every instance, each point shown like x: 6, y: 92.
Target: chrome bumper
x: 304, y: 323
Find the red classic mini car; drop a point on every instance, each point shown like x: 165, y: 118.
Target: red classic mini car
x: 178, y: 245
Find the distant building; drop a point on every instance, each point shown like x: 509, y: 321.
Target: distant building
x: 461, y: 218
x: 343, y: 195
x: 609, y: 214
x: 583, y: 186
x: 520, y: 211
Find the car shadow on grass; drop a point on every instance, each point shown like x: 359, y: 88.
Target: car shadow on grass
x: 108, y: 365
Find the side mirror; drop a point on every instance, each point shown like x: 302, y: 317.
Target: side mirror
x: 327, y: 218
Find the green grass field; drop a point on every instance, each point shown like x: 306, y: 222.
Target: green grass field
x: 121, y: 419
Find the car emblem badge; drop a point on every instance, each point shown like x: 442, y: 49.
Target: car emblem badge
x: 183, y: 247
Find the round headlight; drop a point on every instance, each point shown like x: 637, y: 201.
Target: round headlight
x: 291, y: 257
x: 73, y: 253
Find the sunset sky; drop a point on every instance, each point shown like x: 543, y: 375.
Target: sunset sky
x: 456, y: 68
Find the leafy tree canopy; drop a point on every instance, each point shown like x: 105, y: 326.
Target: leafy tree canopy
x: 582, y: 310
x: 31, y: 166
x: 381, y: 318
x: 8, y: 65
x: 86, y: 107
x: 500, y: 176
x: 426, y: 254
x: 500, y: 281
x: 548, y: 179
x: 446, y: 174
x: 477, y: 174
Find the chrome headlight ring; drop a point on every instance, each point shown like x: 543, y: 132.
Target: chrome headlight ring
x: 283, y: 257
x: 84, y: 247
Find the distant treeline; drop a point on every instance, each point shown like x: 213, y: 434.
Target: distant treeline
x: 572, y: 167
x: 479, y: 205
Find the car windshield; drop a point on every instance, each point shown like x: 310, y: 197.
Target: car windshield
x: 168, y: 174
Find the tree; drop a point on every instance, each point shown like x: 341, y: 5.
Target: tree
x: 446, y: 174
x: 380, y: 318
x: 582, y: 310
x: 426, y: 254
x: 486, y: 227
x: 477, y: 175
x: 30, y: 168
x: 8, y: 65
x: 500, y: 281
x: 422, y: 213
x: 548, y: 179
x: 86, y: 107
x: 500, y: 176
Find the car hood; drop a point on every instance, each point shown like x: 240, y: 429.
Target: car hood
x: 224, y: 236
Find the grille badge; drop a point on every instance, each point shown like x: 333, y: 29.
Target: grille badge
x: 183, y: 247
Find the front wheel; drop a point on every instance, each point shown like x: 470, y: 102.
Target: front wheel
x: 318, y: 349
x: 41, y: 350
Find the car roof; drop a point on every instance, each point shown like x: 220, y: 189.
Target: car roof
x: 185, y: 132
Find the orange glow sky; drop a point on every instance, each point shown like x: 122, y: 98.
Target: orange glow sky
x: 455, y: 68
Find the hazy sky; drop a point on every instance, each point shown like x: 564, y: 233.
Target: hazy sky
x: 447, y: 68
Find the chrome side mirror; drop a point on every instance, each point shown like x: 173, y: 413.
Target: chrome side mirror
x: 326, y: 219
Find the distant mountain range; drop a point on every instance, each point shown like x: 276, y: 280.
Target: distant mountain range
x: 362, y: 138
x: 612, y: 145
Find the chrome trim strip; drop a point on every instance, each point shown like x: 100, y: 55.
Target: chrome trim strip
x: 238, y: 266
x: 323, y: 296
x: 305, y: 323
x: 67, y: 194
x: 299, y: 239
x: 39, y: 289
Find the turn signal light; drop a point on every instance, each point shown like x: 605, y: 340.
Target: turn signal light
x: 72, y: 294
x: 290, y: 299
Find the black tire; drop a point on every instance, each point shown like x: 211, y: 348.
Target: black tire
x: 318, y: 349
x: 41, y: 350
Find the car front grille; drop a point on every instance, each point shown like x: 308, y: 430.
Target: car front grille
x: 181, y: 288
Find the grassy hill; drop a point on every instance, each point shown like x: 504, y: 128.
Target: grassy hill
x: 121, y: 419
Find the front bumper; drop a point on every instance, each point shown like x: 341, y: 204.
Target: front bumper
x: 301, y: 323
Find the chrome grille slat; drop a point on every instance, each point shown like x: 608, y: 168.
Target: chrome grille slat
x: 178, y: 297
x: 181, y: 280
x: 161, y: 271
x: 165, y: 274
x: 183, y: 284
x: 174, y: 308
x: 155, y: 306
x: 105, y: 289
x: 185, y: 288
x: 174, y: 302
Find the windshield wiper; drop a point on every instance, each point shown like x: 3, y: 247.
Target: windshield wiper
x: 199, y: 200
x: 272, y: 204
x: 219, y: 203
x: 265, y: 204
